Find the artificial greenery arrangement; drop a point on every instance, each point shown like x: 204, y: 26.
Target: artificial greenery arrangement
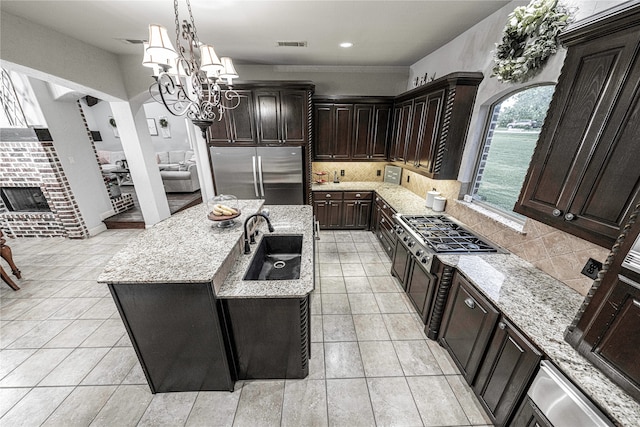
x: 530, y: 38
x: 163, y: 122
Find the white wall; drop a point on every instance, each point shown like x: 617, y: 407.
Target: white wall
x: 76, y: 155
x: 473, y: 51
x: 339, y: 80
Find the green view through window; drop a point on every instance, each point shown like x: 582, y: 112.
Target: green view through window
x: 511, y: 137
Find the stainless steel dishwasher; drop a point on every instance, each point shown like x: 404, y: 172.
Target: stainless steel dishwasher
x: 562, y: 403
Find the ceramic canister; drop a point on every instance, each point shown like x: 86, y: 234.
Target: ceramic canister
x: 438, y: 203
x: 430, y: 196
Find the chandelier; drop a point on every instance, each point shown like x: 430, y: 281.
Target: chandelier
x: 189, y: 80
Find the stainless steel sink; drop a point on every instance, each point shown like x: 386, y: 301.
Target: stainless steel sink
x: 276, y: 258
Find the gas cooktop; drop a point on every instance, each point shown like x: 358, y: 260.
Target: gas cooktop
x: 442, y: 235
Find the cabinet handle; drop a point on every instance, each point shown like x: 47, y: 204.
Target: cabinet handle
x: 384, y: 206
x: 556, y: 212
x: 569, y: 217
x: 358, y: 195
x: 382, y: 220
x: 502, y: 325
x: 377, y: 199
x: 470, y: 303
x: 327, y: 195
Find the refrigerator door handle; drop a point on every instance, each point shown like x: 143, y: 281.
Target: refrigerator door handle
x: 255, y: 178
x: 260, y: 175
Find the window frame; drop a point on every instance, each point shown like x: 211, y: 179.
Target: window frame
x: 510, y: 215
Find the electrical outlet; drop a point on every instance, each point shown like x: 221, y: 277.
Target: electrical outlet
x: 408, y: 176
x: 378, y: 172
x: 341, y: 172
x: 591, y: 268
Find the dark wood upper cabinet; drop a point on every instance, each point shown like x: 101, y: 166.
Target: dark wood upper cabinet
x: 584, y: 172
x: 269, y: 113
x: 238, y: 125
x: 401, y: 116
x: 431, y: 124
x: 281, y: 116
x: 348, y: 128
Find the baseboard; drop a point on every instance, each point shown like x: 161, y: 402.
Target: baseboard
x: 97, y: 230
x: 107, y: 214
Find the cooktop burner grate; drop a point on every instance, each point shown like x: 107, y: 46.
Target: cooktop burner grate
x: 441, y: 234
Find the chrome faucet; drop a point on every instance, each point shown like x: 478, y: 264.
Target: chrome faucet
x: 247, y: 247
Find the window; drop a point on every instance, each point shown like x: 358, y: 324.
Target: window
x: 512, y: 133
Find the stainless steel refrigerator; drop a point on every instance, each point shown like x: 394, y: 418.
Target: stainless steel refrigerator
x: 270, y: 173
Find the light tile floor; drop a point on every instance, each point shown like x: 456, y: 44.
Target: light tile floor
x: 65, y: 359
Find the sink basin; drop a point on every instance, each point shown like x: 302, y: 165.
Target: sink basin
x: 276, y: 258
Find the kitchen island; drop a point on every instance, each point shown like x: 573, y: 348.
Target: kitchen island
x: 179, y: 290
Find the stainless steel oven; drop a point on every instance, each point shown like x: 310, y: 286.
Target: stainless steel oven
x: 419, y: 238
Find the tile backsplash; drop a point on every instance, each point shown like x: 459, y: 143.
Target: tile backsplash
x: 555, y: 252
x: 353, y: 171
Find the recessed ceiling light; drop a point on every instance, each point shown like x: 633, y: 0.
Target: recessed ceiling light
x: 346, y: 44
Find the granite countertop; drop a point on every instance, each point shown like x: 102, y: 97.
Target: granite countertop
x: 285, y: 220
x: 188, y: 248
x: 401, y: 199
x: 541, y: 306
x: 184, y: 248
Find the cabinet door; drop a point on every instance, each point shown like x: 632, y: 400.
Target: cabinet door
x: 467, y: 325
x: 343, y: 121
x: 429, y: 144
x: 334, y: 214
x: 588, y: 128
x: 220, y: 131
x: 416, y: 133
x: 323, y: 136
x: 321, y: 212
x: 529, y: 415
x: 242, y: 127
x: 363, y: 118
x: 380, y: 132
x: 400, y: 264
x: 613, y: 339
x: 363, y: 214
x: 349, y: 213
x: 506, y: 371
x: 402, y: 126
x: 420, y: 288
x: 268, y: 116
x: 293, y: 108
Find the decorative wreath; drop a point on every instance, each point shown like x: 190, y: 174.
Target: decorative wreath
x: 530, y: 38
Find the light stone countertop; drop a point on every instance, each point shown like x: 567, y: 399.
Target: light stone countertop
x: 189, y: 248
x: 184, y: 248
x: 285, y: 220
x: 401, y: 199
x: 541, y: 306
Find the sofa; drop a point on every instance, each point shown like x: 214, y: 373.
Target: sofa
x: 110, y: 160
x: 178, y: 171
x: 177, y: 168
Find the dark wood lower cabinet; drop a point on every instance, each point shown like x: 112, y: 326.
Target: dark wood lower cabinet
x: 506, y: 371
x: 176, y: 331
x: 467, y: 325
x: 421, y: 285
x: 342, y: 210
x: 528, y: 415
x: 270, y: 337
x: 400, y: 264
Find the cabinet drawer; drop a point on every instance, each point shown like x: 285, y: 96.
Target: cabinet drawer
x: 358, y: 195
x: 327, y: 195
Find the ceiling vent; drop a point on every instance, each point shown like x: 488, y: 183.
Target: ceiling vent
x: 292, y: 44
x: 132, y: 41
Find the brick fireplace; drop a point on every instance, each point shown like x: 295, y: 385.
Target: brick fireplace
x: 28, y: 159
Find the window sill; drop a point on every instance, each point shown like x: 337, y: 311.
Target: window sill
x: 494, y: 216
